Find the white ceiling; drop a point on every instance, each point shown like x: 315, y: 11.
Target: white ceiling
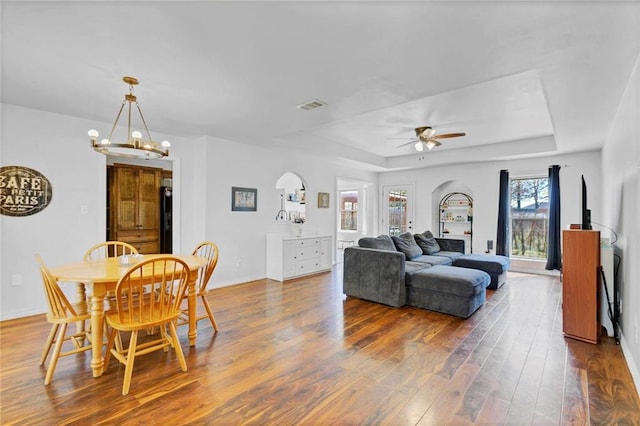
x: 521, y: 78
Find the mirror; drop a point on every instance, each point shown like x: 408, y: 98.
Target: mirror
x: 292, y: 193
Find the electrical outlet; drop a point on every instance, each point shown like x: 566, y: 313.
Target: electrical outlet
x: 16, y: 280
x: 239, y: 263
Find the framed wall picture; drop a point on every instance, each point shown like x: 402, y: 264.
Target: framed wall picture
x: 323, y: 200
x: 244, y: 199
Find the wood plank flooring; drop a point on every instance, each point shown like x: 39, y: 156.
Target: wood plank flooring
x: 300, y: 353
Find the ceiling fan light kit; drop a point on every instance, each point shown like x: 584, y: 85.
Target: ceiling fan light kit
x: 135, y: 146
x: 426, y: 136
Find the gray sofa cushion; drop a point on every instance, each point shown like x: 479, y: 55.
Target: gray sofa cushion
x: 381, y: 242
x: 452, y: 255
x: 427, y: 242
x: 406, y: 244
x: 411, y: 267
x: 433, y: 260
x: 451, y: 280
x: 485, y: 262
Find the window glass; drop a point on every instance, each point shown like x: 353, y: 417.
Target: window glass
x: 348, y: 210
x: 529, y: 217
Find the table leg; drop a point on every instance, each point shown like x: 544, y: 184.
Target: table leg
x: 191, y: 302
x: 97, y: 325
x: 81, y: 299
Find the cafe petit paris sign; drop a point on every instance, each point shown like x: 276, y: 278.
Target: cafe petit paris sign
x: 23, y: 191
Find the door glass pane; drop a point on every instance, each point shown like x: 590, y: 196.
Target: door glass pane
x: 349, y: 210
x: 397, y: 208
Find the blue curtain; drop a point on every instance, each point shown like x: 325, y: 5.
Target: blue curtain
x: 502, y: 239
x: 554, y: 255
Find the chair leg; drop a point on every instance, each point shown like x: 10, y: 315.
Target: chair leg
x: 56, y: 353
x: 107, y: 352
x: 177, y: 347
x: 131, y: 356
x: 47, y: 346
x: 205, y: 302
x: 107, y: 332
x: 119, y: 346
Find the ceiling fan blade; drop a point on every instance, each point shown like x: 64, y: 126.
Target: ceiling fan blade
x: 448, y: 135
x: 408, y: 143
x: 435, y: 143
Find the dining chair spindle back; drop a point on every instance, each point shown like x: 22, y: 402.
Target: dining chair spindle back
x: 143, y: 303
x: 209, y: 251
x: 109, y: 249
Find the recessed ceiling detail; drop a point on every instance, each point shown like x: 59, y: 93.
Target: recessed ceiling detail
x: 520, y: 78
x: 506, y: 109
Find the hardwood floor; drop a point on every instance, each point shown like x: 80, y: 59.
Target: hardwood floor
x: 302, y: 353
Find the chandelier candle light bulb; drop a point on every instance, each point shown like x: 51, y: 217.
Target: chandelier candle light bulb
x: 135, y: 146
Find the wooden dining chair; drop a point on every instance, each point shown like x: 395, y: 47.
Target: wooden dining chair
x: 109, y: 249
x: 162, y: 282
x: 60, y: 314
x: 209, y: 251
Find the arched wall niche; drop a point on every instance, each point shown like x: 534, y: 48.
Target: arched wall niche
x: 438, y: 193
x: 291, y: 194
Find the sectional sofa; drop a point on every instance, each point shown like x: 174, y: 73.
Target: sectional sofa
x: 423, y: 271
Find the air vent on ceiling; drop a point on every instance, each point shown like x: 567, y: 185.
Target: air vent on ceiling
x: 312, y: 104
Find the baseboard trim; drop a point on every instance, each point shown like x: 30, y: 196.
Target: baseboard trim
x: 6, y: 316
x: 633, y: 368
x: 535, y: 271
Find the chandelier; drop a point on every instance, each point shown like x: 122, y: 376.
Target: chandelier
x: 135, y: 146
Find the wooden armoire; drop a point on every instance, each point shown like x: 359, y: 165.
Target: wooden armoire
x: 133, y: 207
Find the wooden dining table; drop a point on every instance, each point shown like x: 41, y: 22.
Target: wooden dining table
x: 103, y: 275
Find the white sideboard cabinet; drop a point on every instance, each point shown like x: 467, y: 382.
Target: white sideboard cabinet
x: 289, y: 257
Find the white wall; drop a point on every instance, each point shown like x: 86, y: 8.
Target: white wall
x: 241, y: 235
x: 204, y: 171
x: 621, y: 211
x: 56, y: 147
x: 483, y: 178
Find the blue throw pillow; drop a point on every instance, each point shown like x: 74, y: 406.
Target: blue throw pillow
x: 407, y: 245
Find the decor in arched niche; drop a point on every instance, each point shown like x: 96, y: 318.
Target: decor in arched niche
x: 453, y: 207
x: 291, y: 192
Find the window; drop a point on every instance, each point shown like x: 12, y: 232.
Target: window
x: 349, y: 210
x: 529, y: 217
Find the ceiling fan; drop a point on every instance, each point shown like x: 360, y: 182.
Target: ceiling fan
x: 426, y: 136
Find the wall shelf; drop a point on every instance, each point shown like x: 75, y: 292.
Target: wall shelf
x: 456, y: 218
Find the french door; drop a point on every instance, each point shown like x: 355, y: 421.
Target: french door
x: 397, y: 209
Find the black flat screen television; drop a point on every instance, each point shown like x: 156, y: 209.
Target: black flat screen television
x: 586, y: 213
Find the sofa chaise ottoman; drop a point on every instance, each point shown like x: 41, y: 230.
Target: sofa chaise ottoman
x: 448, y: 289
x: 495, y: 265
